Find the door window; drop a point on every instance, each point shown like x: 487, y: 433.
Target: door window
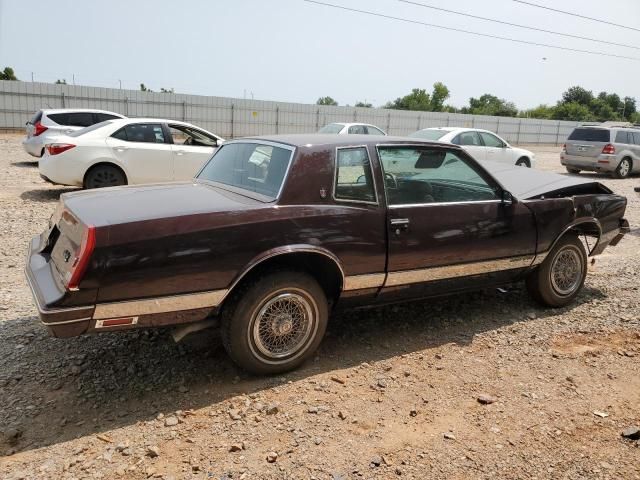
x: 102, y: 117
x: 80, y: 119
x: 623, y: 137
x: 183, y: 135
x: 357, y: 129
x: 423, y: 175
x: 141, y: 132
x: 354, y: 177
x: 636, y: 137
x: 468, y: 138
x: 491, y: 140
x: 374, y: 131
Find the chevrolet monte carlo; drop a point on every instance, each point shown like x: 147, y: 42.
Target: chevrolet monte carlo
x: 275, y: 233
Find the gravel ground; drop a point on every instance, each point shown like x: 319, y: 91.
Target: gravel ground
x: 483, y: 385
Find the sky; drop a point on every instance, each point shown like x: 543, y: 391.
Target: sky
x: 292, y: 50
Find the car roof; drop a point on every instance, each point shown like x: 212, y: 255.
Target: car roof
x: 48, y: 111
x: 124, y: 121
x: 346, y: 124
x: 321, y: 139
x: 459, y: 129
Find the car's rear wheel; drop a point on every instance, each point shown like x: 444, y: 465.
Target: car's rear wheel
x: 523, y: 162
x: 624, y: 168
x: 275, y: 322
x: 573, y: 171
x: 104, y: 176
x: 559, y: 279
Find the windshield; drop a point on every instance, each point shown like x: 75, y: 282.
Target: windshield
x: 429, y: 134
x: 252, y: 167
x: 331, y: 128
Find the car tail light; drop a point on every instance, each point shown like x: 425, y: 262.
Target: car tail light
x: 564, y: 148
x: 83, y: 255
x: 609, y: 149
x: 39, y: 128
x: 56, y: 148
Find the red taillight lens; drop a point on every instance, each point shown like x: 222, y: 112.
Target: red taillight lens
x: 56, y: 148
x: 81, y: 261
x: 608, y: 148
x: 39, y: 128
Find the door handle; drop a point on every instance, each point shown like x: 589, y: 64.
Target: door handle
x: 399, y: 224
x: 180, y: 152
x: 120, y: 148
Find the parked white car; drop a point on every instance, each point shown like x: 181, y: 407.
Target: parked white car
x: 481, y: 144
x: 128, y: 151
x: 352, y: 128
x: 48, y: 124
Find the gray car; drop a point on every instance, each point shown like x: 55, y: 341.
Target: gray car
x: 603, y: 148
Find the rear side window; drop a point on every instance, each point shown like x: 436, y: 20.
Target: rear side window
x: 73, y: 119
x: 468, y: 138
x: 624, y: 137
x: 141, y: 132
x: 59, y: 118
x: 101, y: 117
x: 354, y: 178
x: 36, y: 118
x: 357, y: 130
x: 590, y: 135
x: 636, y: 137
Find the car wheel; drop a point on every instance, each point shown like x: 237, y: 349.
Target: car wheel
x: 573, y: 171
x: 104, y: 176
x: 275, y: 323
x: 624, y: 168
x: 523, y: 162
x: 558, y: 280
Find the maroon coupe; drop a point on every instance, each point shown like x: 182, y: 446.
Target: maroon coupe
x: 276, y: 232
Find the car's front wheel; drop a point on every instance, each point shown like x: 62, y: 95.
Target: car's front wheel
x: 559, y: 279
x: 275, y: 322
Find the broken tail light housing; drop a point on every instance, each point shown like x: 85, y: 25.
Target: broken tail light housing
x: 83, y: 255
x: 57, y: 148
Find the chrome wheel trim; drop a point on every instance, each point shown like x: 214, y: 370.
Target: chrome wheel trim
x: 624, y: 167
x: 566, y: 271
x: 283, y: 325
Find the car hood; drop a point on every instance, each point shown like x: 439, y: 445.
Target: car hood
x: 526, y: 183
x: 135, y: 203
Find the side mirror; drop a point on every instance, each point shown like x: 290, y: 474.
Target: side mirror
x: 507, y: 198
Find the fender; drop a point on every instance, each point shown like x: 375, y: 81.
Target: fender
x: 540, y: 257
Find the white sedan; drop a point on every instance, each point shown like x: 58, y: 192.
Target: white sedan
x: 351, y: 129
x: 128, y: 151
x: 481, y: 144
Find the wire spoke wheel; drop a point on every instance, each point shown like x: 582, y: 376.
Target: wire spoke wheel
x: 566, y: 271
x: 623, y: 169
x: 283, y: 325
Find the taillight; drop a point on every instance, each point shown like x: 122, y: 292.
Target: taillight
x: 608, y: 148
x: 39, y: 128
x: 56, y: 148
x: 81, y: 260
x: 564, y: 148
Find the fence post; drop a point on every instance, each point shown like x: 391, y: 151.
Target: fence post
x: 355, y: 114
x: 448, y: 120
x: 318, y: 119
x: 473, y: 122
x: 539, y: 133
x: 63, y: 105
x: 184, y: 111
x: 277, y: 118
x: 518, y: 136
x: 232, y: 119
x: 498, y: 126
x: 388, y: 122
x: 419, y: 118
x: 558, y: 134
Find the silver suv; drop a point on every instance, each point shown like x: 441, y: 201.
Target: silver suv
x: 614, y: 149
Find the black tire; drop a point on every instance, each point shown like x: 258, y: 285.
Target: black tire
x: 546, y: 284
x: 623, y: 170
x: 104, y: 176
x: 523, y: 162
x: 573, y: 171
x: 252, y: 341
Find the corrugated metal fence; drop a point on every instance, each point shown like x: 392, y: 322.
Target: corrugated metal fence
x: 233, y: 117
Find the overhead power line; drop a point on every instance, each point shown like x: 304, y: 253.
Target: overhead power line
x: 469, y: 32
x: 576, y: 15
x: 518, y: 25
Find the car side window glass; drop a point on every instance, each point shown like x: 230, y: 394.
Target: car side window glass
x: 490, y: 140
x: 80, y: 119
x: 469, y: 138
x: 357, y: 129
x: 374, y: 131
x: 101, y: 117
x: 354, y: 177
x: 424, y: 176
x: 183, y: 135
x: 622, y: 137
x: 120, y: 134
x: 59, y: 118
x: 636, y: 137
x: 143, y: 132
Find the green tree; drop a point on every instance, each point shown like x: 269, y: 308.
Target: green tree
x: 577, y: 95
x: 573, y: 111
x: 143, y: 88
x: 629, y: 108
x: 61, y: 82
x: 603, y: 111
x: 541, y: 111
x: 489, y: 104
x: 439, y: 94
x: 165, y: 90
x: 364, y: 104
x: 8, y: 74
x: 418, y: 99
x: 326, y: 101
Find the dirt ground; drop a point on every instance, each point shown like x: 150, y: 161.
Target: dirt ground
x: 392, y: 393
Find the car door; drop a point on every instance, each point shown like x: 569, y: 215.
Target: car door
x: 191, y: 149
x: 450, y: 224
x: 471, y: 142
x: 496, y: 150
x: 635, y: 148
x: 142, y: 149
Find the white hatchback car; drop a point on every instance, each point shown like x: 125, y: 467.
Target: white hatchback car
x: 352, y: 128
x: 128, y: 151
x: 49, y: 124
x: 481, y: 144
